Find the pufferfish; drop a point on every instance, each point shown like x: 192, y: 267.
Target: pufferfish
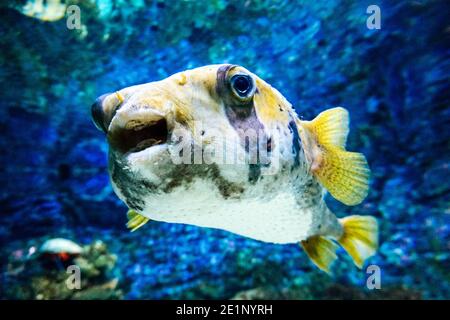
x: 160, y: 137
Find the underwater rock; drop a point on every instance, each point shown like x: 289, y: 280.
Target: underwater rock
x: 339, y: 291
x: 395, y: 200
x: 104, y: 291
x: 334, y: 291
x: 435, y: 180
x: 270, y: 293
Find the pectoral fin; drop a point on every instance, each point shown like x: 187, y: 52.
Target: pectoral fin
x: 344, y: 174
x: 135, y: 220
x: 321, y: 251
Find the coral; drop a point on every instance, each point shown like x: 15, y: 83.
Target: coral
x: 42, y: 276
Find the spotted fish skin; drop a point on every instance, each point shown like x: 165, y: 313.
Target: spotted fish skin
x: 175, y: 147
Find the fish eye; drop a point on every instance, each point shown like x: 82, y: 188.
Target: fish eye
x: 242, y: 85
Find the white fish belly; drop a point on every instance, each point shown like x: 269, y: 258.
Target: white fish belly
x: 275, y: 219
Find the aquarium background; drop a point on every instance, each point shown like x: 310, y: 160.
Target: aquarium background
x: 319, y: 54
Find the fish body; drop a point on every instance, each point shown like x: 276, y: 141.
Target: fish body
x: 219, y: 147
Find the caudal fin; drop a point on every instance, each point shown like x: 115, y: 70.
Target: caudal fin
x: 321, y: 251
x: 360, y: 237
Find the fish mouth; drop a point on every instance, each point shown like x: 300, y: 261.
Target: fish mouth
x: 137, y: 136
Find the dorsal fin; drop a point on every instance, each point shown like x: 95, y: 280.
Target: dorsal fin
x: 344, y: 174
x: 135, y: 220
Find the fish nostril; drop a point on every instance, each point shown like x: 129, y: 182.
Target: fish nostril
x: 98, y: 115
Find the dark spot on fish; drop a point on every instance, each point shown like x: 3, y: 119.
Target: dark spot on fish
x: 295, y: 143
x: 185, y: 174
x: 311, y: 193
x: 251, y: 132
x: 254, y: 173
x: 130, y: 185
x: 147, y: 185
x: 221, y: 79
x: 226, y: 188
x: 269, y: 145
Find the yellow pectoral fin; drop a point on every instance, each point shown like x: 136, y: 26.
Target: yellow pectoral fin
x: 344, y: 174
x: 135, y: 220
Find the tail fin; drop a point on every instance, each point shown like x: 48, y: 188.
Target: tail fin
x: 321, y: 251
x: 360, y: 238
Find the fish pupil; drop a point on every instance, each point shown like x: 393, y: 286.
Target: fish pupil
x: 242, y: 84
